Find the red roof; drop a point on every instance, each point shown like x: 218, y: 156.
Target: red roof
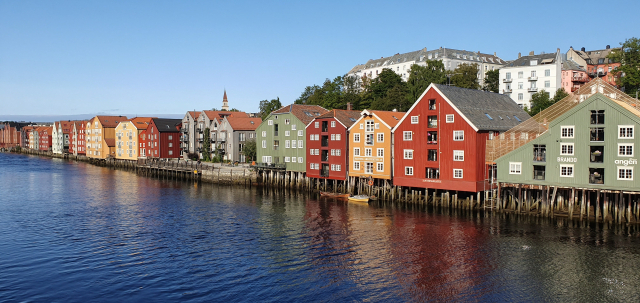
x: 389, y: 117
x: 194, y: 115
x: 304, y: 113
x: 219, y: 115
x: 244, y: 123
x: 346, y: 117
x: 111, y: 121
x: 141, y: 123
x: 111, y: 142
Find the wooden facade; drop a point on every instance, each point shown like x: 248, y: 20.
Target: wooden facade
x: 101, y: 133
x: 327, y: 157
x: 371, y: 143
x: 128, y: 137
x: 162, y: 138
x: 440, y: 143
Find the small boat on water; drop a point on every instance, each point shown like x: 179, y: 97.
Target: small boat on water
x: 359, y: 198
x: 325, y: 194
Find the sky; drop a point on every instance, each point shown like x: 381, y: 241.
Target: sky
x: 168, y: 57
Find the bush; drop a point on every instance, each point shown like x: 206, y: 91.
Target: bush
x: 193, y: 156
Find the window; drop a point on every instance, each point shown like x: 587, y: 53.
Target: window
x: 432, y: 121
x: 407, y: 135
x: 539, y: 152
x: 300, y: 160
x: 566, y: 149
x: 270, y: 122
x: 566, y: 132
x: 625, y: 131
x: 625, y: 149
x: 457, y: 173
x: 287, y: 159
x: 317, y: 151
x: 625, y: 173
x: 338, y: 152
x: 597, y: 117
x: 337, y: 137
x: 458, y: 155
x: 333, y: 152
x: 300, y: 134
x: 264, y: 143
x: 356, y: 165
x: 515, y: 168
x: 299, y: 143
x: 432, y: 104
x: 264, y: 134
x: 414, y: 119
x: 520, y: 85
x: 293, y: 159
x: 380, y: 152
x: 449, y: 118
x: 509, y: 75
x: 547, y: 72
x: 287, y: 121
x: 380, y: 166
x: 547, y: 83
x: 566, y: 170
x: 333, y: 167
x: 367, y: 152
x: 317, y: 124
x: 287, y: 133
x: 369, y: 126
x: 293, y: 127
x: 170, y: 136
x: 356, y: 151
x: 408, y: 153
x: 368, y: 168
x: 356, y: 137
x: 338, y: 167
x: 520, y: 96
x: 458, y: 135
x: 380, y: 137
x: 408, y: 171
x: 293, y: 144
x: 333, y: 137
x: 333, y: 123
x: 287, y: 144
x: 520, y: 75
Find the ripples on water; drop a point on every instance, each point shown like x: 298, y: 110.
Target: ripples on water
x: 72, y: 232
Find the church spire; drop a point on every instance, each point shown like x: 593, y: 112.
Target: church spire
x: 225, y: 103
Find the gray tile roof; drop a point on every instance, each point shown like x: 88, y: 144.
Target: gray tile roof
x: 485, y: 110
x: 167, y: 125
x: 572, y: 65
x: 526, y: 60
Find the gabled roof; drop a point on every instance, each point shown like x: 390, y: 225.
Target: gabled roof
x: 141, y: 123
x: 346, y: 117
x: 305, y: 113
x: 388, y: 118
x: 167, y: 125
x: 111, y: 121
x: 572, y: 65
x: 194, y: 114
x: 66, y: 126
x: 218, y: 115
x: 592, y: 57
x: 243, y: 123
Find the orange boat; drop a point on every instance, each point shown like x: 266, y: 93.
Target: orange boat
x: 325, y: 194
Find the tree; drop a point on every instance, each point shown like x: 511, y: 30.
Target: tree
x: 234, y: 110
x: 420, y: 77
x: 266, y: 107
x: 539, y: 101
x: 306, y: 94
x: 628, y: 74
x: 560, y: 94
x: 206, y: 145
x: 249, y: 150
x: 465, y: 76
x: 492, y: 81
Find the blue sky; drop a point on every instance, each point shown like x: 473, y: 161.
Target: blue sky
x: 167, y: 57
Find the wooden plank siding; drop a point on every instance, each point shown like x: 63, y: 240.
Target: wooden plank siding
x: 336, y: 165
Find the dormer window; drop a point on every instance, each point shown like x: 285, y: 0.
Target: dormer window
x: 534, y: 62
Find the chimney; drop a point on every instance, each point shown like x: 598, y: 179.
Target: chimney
x: 558, y: 50
x: 519, y: 55
x: 348, y: 105
x: 608, y: 46
x: 494, y: 53
x: 582, y: 49
x: 531, y: 53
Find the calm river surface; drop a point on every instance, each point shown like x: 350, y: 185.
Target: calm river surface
x: 73, y: 232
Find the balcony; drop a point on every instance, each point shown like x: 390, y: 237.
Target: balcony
x: 325, y: 156
x: 539, y: 153
x: 432, y: 122
x: 507, y: 80
x: 325, y: 171
x: 368, y: 140
x: 538, y: 172
x: 596, y: 134
x: 184, y: 138
x: 596, y: 153
x: 533, y: 89
x: 533, y: 78
x: 325, y: 141
x: 579, y: 79
x: 596, y: 175
x: 507, y: 91
x: 432, y: 137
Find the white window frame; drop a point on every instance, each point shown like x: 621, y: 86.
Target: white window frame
x: 333, y: 123
x: 366, y: 168
x: 458, y: 170
x: 368, y: 152
x: 625, y: 153
x: 407, y: 135
x: 264, y: 143
x: 356, y: 138
x: 287, y: 159
x: 317, y: 124
x: 570, y: 150
x: 408, y: 154
x: 293, y: 160
x: 408, y: 170
x: 356, y: 165
x: 379, y: 166
x: 625, y: 168
x: 568, y: 166
x: 300, y: 160
x: 568, y: 128
x: 300, y: 133
x: 458, y: 155
x: 356, y: 151
x: 621, y: 127
x: 515, y: 168
x: 338, y: 137
x: 450, y: 118
x: 264, y: 133
x: 458, y: 135
x: 287, y: 133
x: 380, y: 137
x: 338, y: 152
x: 300, y: 145
x: 270, y: 122
x: 414, y: 119
x: 380, y: 152
x: 369, y: 126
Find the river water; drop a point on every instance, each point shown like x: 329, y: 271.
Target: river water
x: 73, y: 232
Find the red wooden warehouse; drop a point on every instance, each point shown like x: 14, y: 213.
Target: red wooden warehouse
x: 440, y: 142
x: 44, y: 138
x: 162, y: 138
x: 329, y: 149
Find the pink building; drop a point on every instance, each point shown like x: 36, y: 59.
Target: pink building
x: 573, y: 76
